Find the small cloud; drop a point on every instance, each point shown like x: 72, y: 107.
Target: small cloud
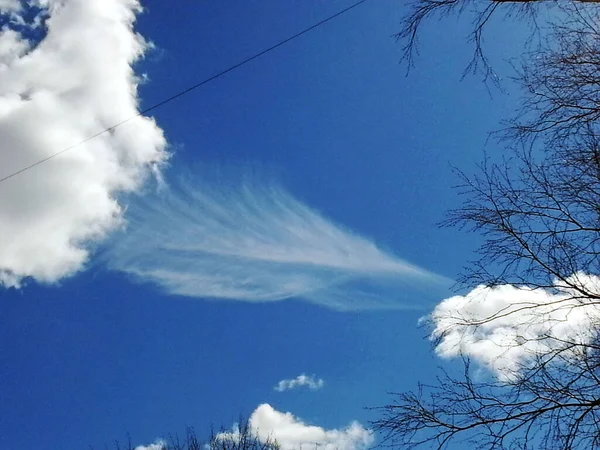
x: 310, y: 382
x: 157, y: 445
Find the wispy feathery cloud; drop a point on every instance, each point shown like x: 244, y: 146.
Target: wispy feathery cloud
x: 252, y: 241
x: 309, y: 381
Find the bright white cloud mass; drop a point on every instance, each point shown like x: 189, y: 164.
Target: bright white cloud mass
x: 56, y: 93
x: 309, y: 381
x: 524, y: 322
x: 158, y: 445
x: 291, y: 433
x: 252, y: 241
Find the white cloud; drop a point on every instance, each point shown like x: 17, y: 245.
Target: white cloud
x: 158, y: 445
x: 74, y: 83
x: 252, y: 241
x: 524, y: 322
x: 7, y: 6
x: 12, y: 45
x: 293, y: 434
x: 309, y: 381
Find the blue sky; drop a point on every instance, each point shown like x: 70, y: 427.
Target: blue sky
x: 330, y: 117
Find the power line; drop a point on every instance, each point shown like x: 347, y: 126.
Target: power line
x: 188, y: 90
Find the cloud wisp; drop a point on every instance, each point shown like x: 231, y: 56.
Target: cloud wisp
x: 310, y: 381
x: 252, y: 241
x: 53, y: 94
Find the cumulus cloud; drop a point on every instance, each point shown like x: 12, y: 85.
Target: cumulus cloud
x: 504, y: 327
x: 77, y: 81
x: 291, y: 433
x: 157, y: 445
x: 309, y: 381
x: 249, y: 240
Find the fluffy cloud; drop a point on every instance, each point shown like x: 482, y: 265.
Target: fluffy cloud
x: 158, y: 445
x: 56, y: 93
x: 291, y: 433
x: 11, y: 45
x: 252, y: 241
x: 310, y: 381
x: 503, y: 327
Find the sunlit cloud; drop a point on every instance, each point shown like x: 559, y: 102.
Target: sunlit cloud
x: 504, y: 328
x: 249, y: 240
x: 290, y: 432
x: 157, y: 445
x: 73, y: 83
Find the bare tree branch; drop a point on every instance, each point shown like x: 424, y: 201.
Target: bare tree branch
x: 538, y: 210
